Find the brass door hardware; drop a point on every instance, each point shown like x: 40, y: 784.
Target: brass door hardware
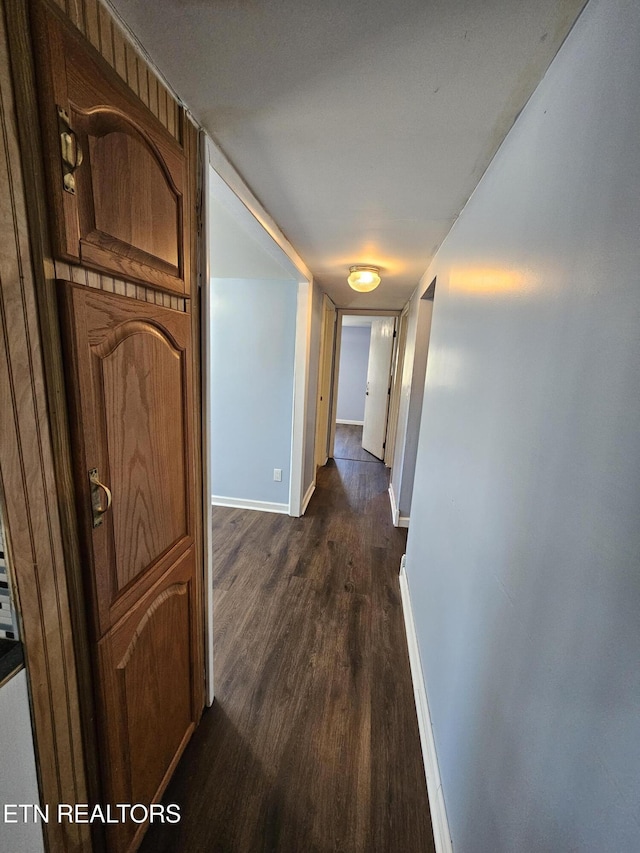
x: 97, y: 490
x: 70, y: 151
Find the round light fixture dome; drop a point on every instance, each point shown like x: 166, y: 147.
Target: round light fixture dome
x: 363, y: 278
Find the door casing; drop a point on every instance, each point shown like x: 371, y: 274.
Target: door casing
x: 218, y: 176
x: 396, y: 385
x: 325, y: 372
x: 379, y: 312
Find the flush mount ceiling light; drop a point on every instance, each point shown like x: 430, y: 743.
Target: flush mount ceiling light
x: 363, y: 278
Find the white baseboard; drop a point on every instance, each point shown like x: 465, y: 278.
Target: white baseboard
x: 397, y: 519
x: 353, y: 423
x: 395, y: 512
x: 245, y: 503
x: 308, y: 496
x: 439, y: 821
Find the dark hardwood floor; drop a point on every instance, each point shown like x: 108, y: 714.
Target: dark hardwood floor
x: 348, y: 444
x: 312, y: 743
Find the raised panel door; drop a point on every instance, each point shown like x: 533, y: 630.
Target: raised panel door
x: 129, y: 387
x: 117, y: 178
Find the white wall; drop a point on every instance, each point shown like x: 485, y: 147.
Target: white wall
x: 352, y: 379
x: 235, y: 253
x: 523, y: 555
x: 18, y: 781
x: 246, y: 247
x: 252, y: 364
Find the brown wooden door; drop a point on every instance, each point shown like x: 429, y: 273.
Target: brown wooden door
x: 116, y: 176
x: 129, y: 385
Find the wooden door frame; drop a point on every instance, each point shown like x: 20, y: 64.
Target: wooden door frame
x: 57, y: 622
x: 40, y: 504
x: 348, y: 312
x: 325, y: 362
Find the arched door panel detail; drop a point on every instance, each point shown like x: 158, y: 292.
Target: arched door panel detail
x: 116, y: 177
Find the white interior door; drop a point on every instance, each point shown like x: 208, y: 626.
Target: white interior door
x: 376, y: 404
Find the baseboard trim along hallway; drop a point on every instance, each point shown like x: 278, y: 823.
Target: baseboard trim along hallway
x: 395, y: 512
x: 441, y: 834
x: 240, y: 503
x: 307, y: 497
x: 397, y: 519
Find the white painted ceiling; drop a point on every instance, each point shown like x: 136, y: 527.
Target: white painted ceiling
x: 362, y: 126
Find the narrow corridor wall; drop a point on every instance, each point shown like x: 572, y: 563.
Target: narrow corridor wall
x: 523, y: 555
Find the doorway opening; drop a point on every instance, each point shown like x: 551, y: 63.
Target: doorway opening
x: 256, y: 308
x: 417, y: 317
x: 367, y: 370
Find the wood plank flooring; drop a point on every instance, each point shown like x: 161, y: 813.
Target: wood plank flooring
x: 312, y: 743
x: 348, y: 444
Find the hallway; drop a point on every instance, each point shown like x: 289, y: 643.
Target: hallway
x: 312, y: 743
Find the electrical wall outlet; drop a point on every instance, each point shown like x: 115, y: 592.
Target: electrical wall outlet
x: 277, y: 475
